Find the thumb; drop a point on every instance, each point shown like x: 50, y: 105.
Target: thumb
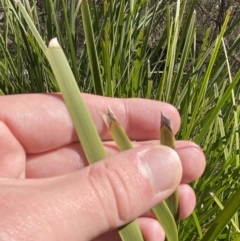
x: 103, y: 196
x: 120, y: 188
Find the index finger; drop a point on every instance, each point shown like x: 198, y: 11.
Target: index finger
x: 41, y: 122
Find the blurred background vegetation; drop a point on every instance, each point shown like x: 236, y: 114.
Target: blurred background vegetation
x: 184, y: 52
x: 209, y: 14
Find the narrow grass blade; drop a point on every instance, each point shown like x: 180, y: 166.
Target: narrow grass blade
x: 223, y: 217
x: 130, y: 232
x: 237, y: 239
x: 91, y: 49
x: 184, y: 58
x: 1, y: 93
x: 107, y: 68
x: 166, y: 134
x: 70, y: 41
x: 236, y: 120
x: 169, y: 29
x: 166, y: 219
x: 218, y: 202
x: 84, y: 125
x: 161, y: 211
x: 149, y: 89
x: 117, y: 132
x: 31, y: 25
x: 197, y: 223
x: 167, y: 139
x: 137, y: 66
x: 206, y: 78
x: 217, y: 108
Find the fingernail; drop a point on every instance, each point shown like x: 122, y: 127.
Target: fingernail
x: 164, y: 168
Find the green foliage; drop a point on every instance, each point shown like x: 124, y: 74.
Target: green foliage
x: 199, y: 80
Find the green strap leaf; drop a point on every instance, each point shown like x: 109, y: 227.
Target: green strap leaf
x: 167, y: 139
x: 79, y: 113
x: 223, y: 217
x: 91, y: 48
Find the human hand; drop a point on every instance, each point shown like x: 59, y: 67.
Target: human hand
x: 39, y: 145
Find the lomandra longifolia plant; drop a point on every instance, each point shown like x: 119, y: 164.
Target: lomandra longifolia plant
x: 115, y: 61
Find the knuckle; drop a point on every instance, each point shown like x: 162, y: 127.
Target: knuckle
x: 110, y: 184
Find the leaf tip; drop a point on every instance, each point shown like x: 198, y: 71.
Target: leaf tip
x: 167, y: 122
x: 109, y: 118
x: 54, y: 43
x: 111, y: 115
x: 106, y: 120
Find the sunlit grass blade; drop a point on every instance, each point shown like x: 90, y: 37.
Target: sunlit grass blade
x: 206, y: 77
x: 7, y: 55
x: 35, y: 67
x: 161, y: 211
x: 149, y: 89
x: 184, y: 57
x: 218, y: 202
x: 1, y: 93
x: 167, y: 139
x: 166, y: 133
x: 70, y: 41
x: 117, y: 132
x: 236, y: 120
x: 223, y: 217
x: 79, y: 113
x: 107, y: 68
x: 169, y: 29
x: 197, y: 223
x: 31, y: 25
x: 217, y: 108
x: 173, y: 28
x: 167, y: 221
x: 131, y: 231
x: 172, y: 47
x: 136, y: 79
x: 91, y: 49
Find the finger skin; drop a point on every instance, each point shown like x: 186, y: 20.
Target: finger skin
x: 150, y: 228
x: 40, y: 124
x: 71, y: 157
x: 193, y: 160
x: 56, y: 162
x: 187, y: 201
x: 26, y: 115
x: 13, y: 158
x: 187, y: 197
x: 87, y: 203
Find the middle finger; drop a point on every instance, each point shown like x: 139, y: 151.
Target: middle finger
x: 70, y: 158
